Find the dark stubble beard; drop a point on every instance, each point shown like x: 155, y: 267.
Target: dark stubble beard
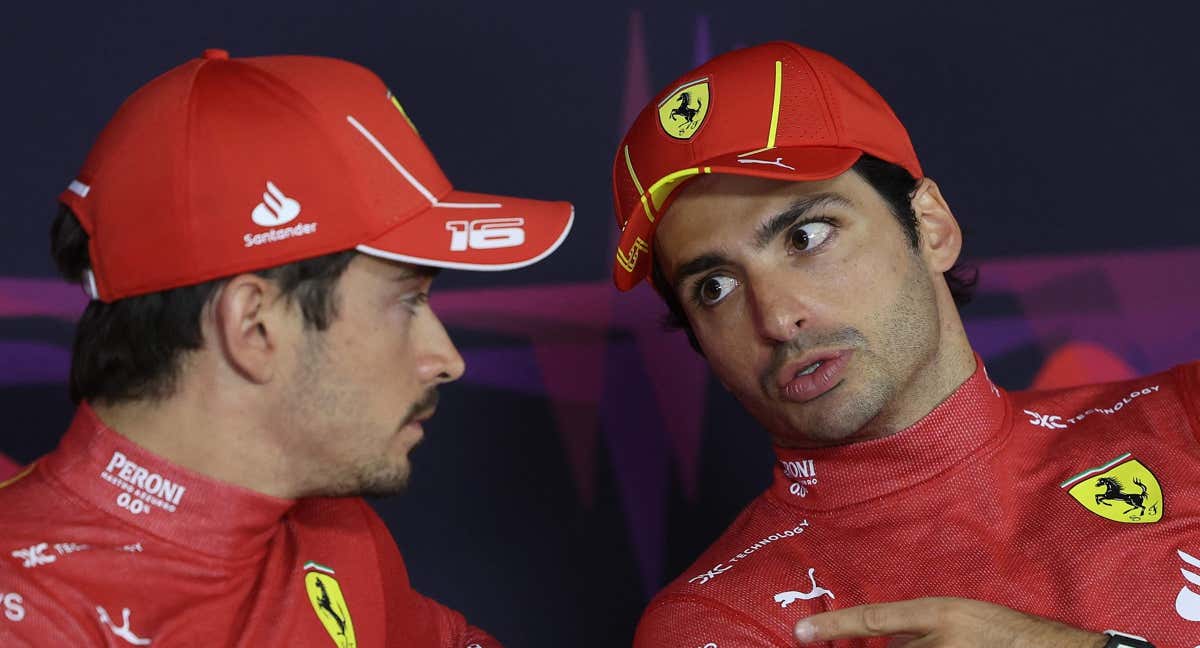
x: 363, y: 470
x: 845, y: 338
x: 821, y: 426
x: 907, y: 332
x: 383, y: 478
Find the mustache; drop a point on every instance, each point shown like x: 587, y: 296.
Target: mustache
x: 427, y: 404
x: 785, y: 352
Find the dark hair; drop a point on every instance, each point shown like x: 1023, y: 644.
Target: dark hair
x: 896, y: 186
x: 131, y: 349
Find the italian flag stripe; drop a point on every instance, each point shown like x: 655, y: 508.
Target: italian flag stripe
x: 1097, y: 469
x: 312, y: 564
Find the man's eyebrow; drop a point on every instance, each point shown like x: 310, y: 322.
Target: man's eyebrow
x: 417, y: 272
x: 765, y: 234
x: 696, y: 266
x: 799, y: 209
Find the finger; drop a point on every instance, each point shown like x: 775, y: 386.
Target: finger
x: 917, y: 618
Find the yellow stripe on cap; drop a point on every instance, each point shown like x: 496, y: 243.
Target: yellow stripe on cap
x: 396, y: 103
x: 637, y: 185
x: 765, y: 148
x: 660, y: 190
x: 774, y: 113
x: 775, y: 106
x: 630, y: 261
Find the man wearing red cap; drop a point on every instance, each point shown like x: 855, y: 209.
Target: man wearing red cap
x: 776, y: 204
x: 258, y: 237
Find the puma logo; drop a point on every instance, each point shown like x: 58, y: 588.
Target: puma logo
x: 787, y: 598
x: 122, y: 630
x: 777, y: 162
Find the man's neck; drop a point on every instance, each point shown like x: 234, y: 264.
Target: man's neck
x: 954, y: 365
x: 203, y: 436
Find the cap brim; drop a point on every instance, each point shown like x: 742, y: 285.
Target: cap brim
x: 798, y: 164
x: 784, y: 163
x: 468, y: 231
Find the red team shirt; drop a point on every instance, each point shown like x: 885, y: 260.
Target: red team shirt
x: 1080, y: 505
x: 106, y: 544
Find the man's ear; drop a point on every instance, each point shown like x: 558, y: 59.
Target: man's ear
x: 249, y: 319
x: 941, y: 238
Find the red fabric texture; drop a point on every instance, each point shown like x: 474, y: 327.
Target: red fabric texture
x: 105, y: 544
x: 8, y: 468
x: 968, y: 502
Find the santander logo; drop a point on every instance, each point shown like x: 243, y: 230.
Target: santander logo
x: 276, y: 208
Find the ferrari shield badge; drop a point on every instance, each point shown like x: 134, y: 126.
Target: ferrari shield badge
x: 325, y: 594
x: 1122, y: 490
x: 684, y: 110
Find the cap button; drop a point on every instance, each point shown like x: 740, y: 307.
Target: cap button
x: 215, y: 55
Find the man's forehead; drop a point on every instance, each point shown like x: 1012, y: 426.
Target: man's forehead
x: 732, y: 201
x: 716, y: 187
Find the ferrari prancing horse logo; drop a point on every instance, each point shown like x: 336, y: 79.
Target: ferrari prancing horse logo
x: 326, y: 597
x: 683, y: 111
x: 1122, y: 490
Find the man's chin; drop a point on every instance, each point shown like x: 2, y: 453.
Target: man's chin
x: 833, y: 425
x: 383, y: 491
x: 386, y: 483
x: 850, y: 414
x: 375, y: 481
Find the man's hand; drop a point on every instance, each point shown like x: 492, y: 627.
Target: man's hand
x: 945, y: 622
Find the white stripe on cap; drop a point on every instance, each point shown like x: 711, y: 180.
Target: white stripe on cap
x: 412, y: 180
x: 78, y: 188
x: 451, y: 205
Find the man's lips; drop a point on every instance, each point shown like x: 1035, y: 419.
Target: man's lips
x: 419, y: 418
x: 803, y: 388
x: 423, y: 409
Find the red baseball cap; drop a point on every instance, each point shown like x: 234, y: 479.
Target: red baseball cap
x: 777, y: 110
x: 222, y: 166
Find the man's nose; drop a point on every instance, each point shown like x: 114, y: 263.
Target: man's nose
x: 441, y: 362
x: 779, y: 308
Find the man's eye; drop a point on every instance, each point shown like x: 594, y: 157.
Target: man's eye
x: 810, y: 235
x: 416, y: 300
x: 713, y: 289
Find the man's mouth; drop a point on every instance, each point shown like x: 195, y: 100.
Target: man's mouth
x: 423, y: 409
x: 813, y: 375
x: 811, y: 368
